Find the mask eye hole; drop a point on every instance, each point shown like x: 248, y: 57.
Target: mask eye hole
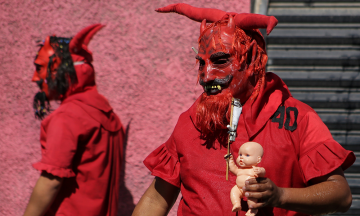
x: 221, y: 61
x: 201, y: 63
x: 38, y: 67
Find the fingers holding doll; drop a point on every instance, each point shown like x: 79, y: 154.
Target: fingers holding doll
x: 264, y: 191
x: 228, y: 156
x: 259, y: 171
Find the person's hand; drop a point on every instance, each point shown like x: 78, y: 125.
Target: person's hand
x: 229, y: 157
x: 264, y: 190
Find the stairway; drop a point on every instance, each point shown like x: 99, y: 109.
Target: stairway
x: 315, y: 49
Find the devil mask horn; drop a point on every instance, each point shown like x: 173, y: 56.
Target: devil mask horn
x: 83, y: 38
x: 245, y: 21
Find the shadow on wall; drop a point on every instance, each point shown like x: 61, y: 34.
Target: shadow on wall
x: 126, y: 201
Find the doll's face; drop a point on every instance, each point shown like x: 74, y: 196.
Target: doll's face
x: 249, y: 155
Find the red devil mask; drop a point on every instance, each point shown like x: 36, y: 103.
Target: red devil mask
x: 43, y: 68
x: 232, y: 59
x: 56, y: 63
x: 231, y: 49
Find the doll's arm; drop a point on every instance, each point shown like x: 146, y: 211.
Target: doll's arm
x: 232, y: 166
x: 259, y: 171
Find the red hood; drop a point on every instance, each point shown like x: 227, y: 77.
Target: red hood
x: 96, y: 106
x: 85, y: 76
x: 270, y: 97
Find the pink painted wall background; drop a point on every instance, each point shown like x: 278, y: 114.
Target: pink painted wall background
x: 144, y: 65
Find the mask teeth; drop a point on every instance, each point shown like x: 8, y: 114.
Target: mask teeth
x: 212, y: 87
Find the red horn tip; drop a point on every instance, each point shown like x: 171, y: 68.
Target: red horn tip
x: 169, y: 8
x: 271, y: 25
x: 83, y: 37
x: 194, y: 13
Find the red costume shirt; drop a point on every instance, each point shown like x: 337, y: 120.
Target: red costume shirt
x: 297, y: 148
x: 81, y: 141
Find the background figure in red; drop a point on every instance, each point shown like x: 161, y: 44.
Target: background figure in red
x: 82, y: 140
x: 304, y: 164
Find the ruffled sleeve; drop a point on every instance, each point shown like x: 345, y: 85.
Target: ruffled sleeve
x: 58, y: 138
x: 164, y: 164
x: 324, y: 159
x: 320, y: 154
x: 54, y: 170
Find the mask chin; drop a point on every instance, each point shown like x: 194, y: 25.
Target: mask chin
x: 41, y: 105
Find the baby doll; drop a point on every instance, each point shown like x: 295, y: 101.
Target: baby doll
x: 250, y: 155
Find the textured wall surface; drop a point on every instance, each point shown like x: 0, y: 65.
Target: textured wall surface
x: 144, y: 65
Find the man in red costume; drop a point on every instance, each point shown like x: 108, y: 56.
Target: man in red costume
x: 82, y: 140
x: 304, y: 164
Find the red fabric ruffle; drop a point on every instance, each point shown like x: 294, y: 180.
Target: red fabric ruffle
x: 54, y: 170
x: 325, y: 158
x: 163, y: 165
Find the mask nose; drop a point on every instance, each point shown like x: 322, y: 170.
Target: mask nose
x: 208, y: 77
x: 35, y: 77
x: 207, y: 72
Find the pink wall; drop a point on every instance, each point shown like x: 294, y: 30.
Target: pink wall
x: 144, y: 65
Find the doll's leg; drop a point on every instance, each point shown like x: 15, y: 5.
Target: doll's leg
x: 235, y: 197
x: 251, y: 212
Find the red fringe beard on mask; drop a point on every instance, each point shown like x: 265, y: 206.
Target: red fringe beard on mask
x: 213, y: 113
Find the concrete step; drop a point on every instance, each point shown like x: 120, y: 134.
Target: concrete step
x: 314, y: 4
x: 306, y: 55
x: 316, y: 25
x: 354, y: 169
x: 313, y: 1
x: 315, y: 12
x: 329, y: 98
x: 354, y: 184
x: 301, y: 69
x: 342, y: 121
x: 320, y: 79
x: 318, y: 18
x: 354, y: 209
x: 315, y: 34
x: 349, y: 142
